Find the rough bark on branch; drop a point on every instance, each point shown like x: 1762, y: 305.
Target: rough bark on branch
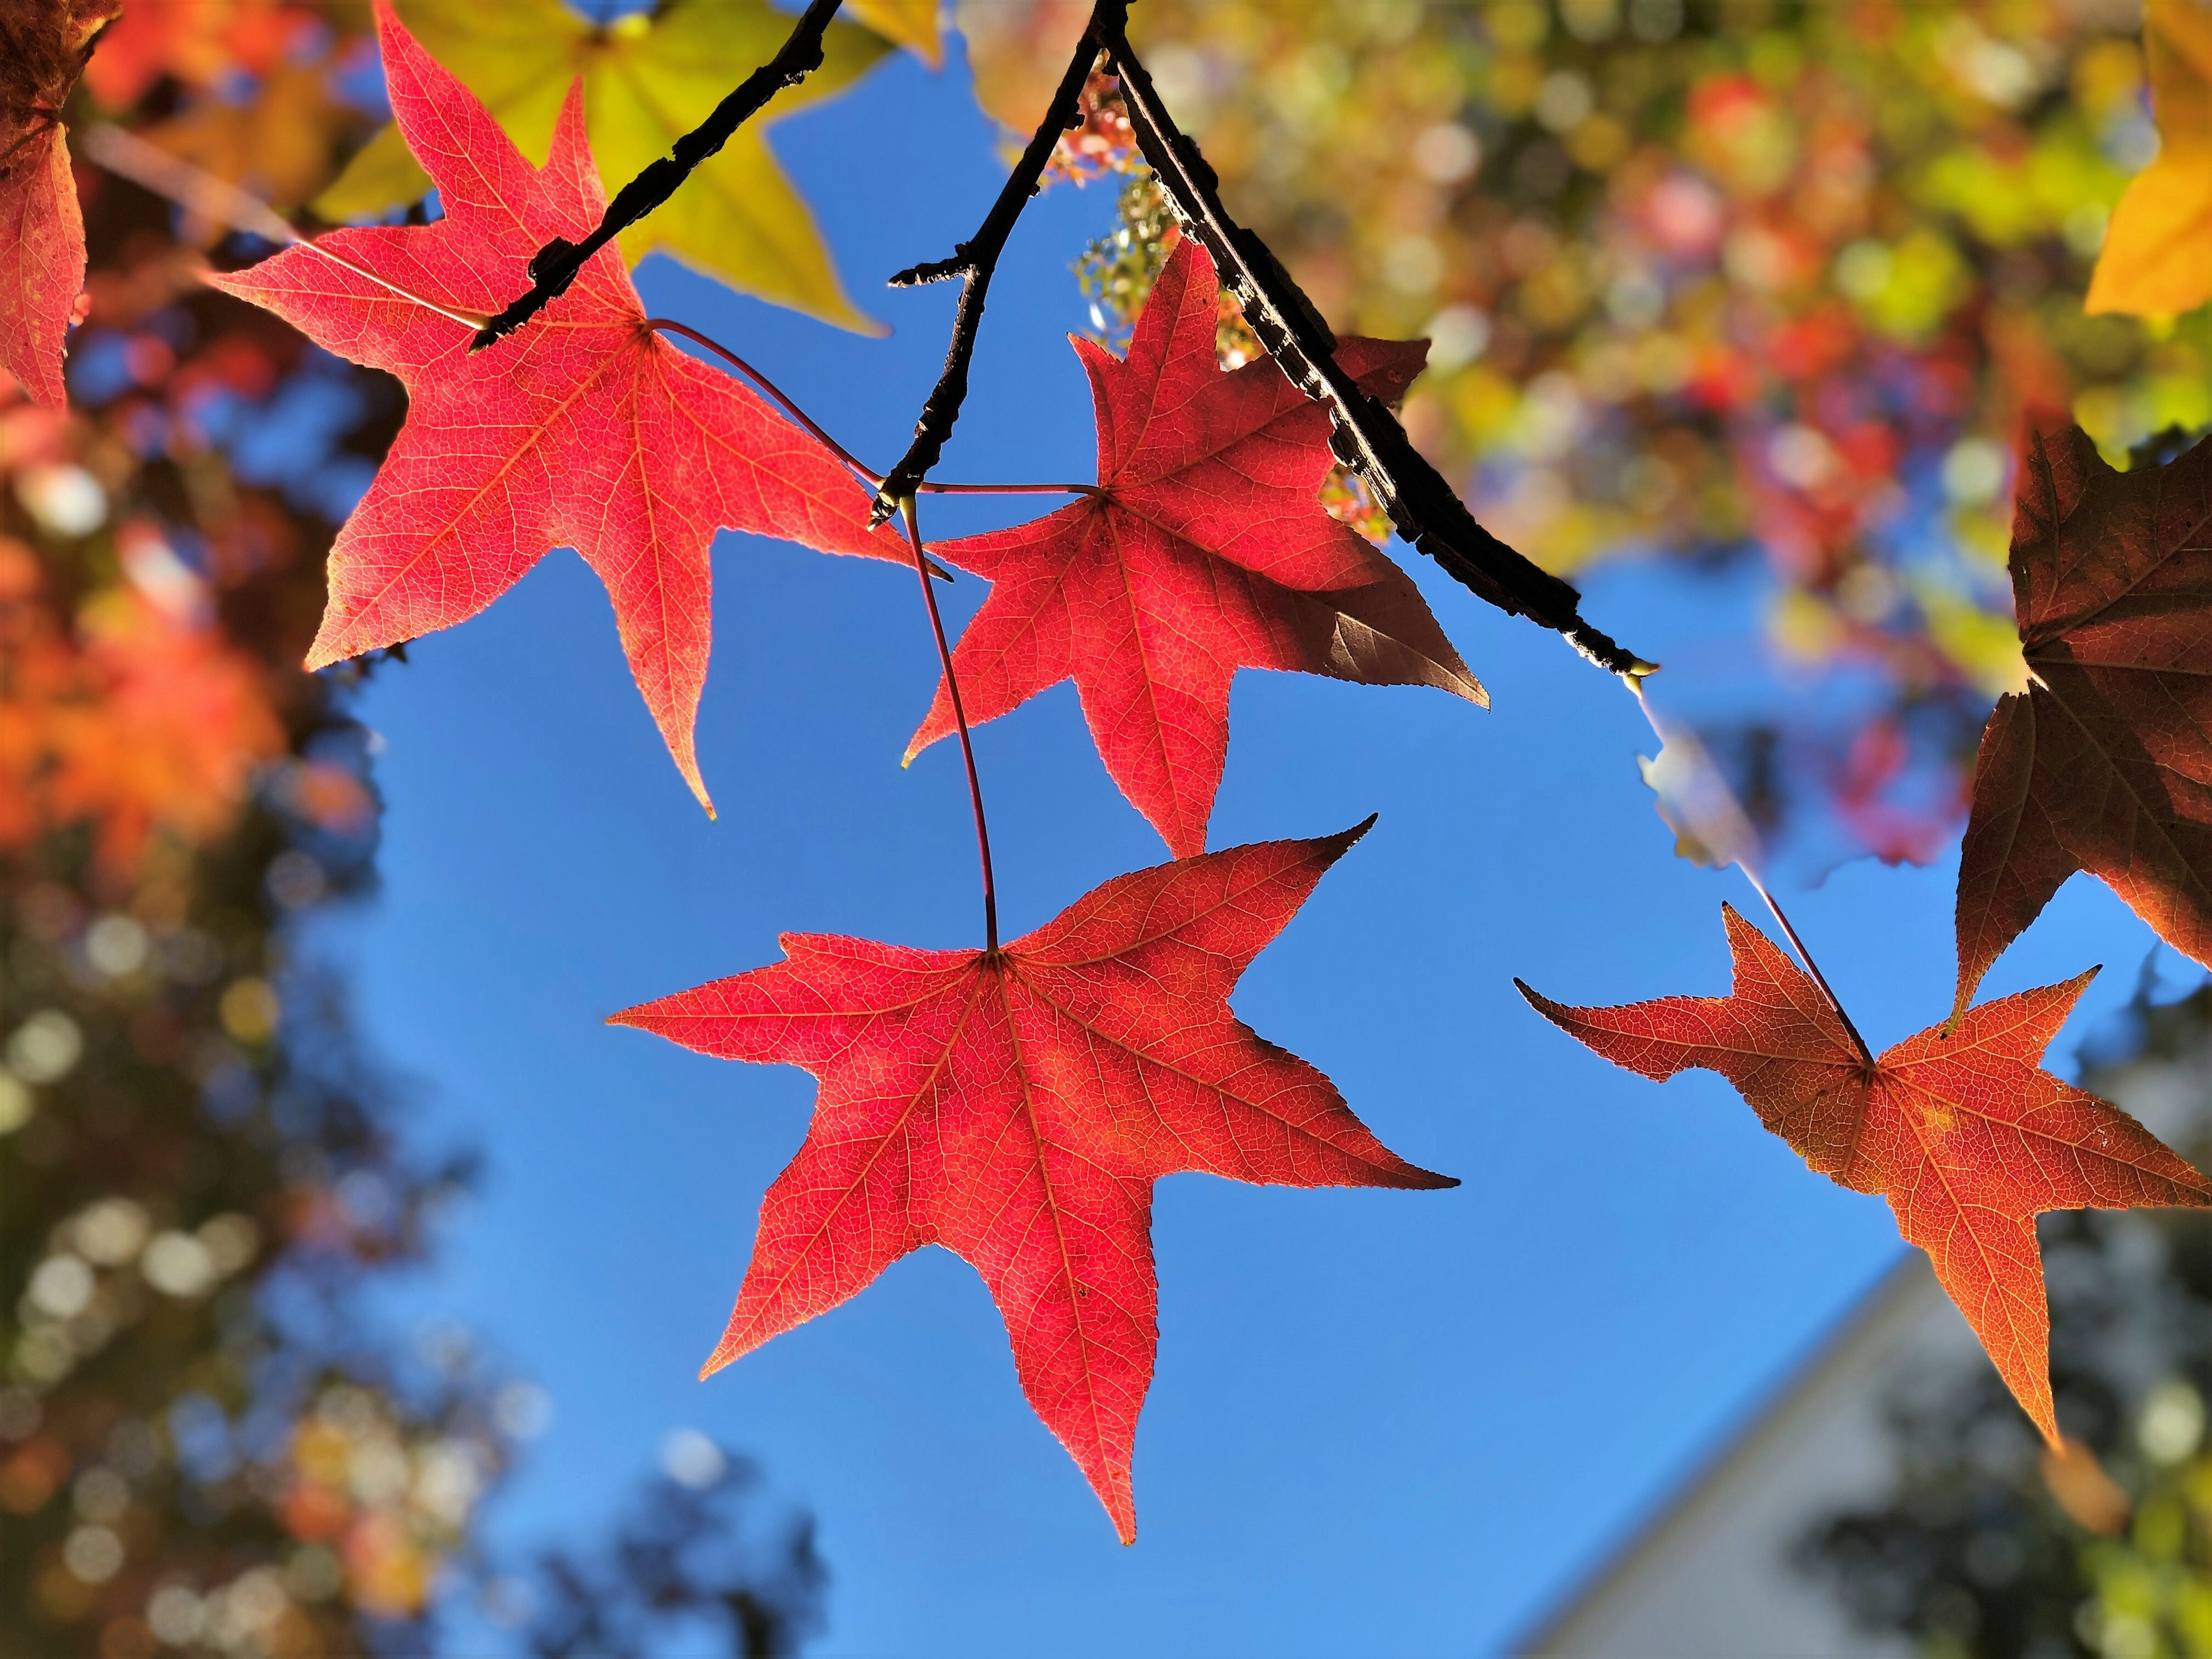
x: 554, y: 266
x: 1426, y: 510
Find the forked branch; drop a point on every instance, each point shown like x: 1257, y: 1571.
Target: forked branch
x: 554, y: 266
x: 974, y: 260
x: 1426, y: 510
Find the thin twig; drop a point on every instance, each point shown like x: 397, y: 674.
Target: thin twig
x: 974, y: 260
x: 960, y: 719
x: 554, y: 266
x: 1426, y: 510
x: 199, y: 192
x: 790, y: 406
x: 1736, y: 843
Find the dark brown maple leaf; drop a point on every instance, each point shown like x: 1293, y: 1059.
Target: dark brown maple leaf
x: 2105, y: 763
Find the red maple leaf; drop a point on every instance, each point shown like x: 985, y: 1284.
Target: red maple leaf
x: 1016, y: 1106
x: 584, y: 429
x: 1967, y: 1135
x: 2105, y: 763
x: 43, y: 44
x: 1207, y: 550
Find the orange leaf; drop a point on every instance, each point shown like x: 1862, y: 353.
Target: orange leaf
x: 1966, y: 1135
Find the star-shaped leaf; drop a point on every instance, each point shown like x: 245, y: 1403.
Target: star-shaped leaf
x: 1205, y: 550
x: 584, y: 429
x: 1966, y: 1135
x: 42, y: 51
x: 2105, y: 763
x: 1016, y: 1106
x: 649, y: 77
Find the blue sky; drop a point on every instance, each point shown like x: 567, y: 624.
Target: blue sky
x: 1383, y: 1423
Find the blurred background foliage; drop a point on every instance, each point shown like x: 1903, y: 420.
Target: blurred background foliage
x: 208, y: 1443
x: 1765, y: 289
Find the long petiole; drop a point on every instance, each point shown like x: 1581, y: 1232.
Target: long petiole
x: 669, y: 326
x: 960, y: 719
x: 859, y: 468
x: 1735, y: 841
x: 1010, y: 490
x: 976, y: 260
x: 1811, y: 966
x: 197, y: 191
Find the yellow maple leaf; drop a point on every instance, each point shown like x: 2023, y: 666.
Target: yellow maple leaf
x: 909, y: 23
x: 2157, y: 258
x: 648, y: 78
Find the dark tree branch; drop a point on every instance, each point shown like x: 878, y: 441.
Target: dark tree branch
x: 554, y: 266
x: 1367, y: 438
x: 974, y: 260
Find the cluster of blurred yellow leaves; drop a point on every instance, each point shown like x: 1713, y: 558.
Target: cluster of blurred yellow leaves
x: 2157, y: 258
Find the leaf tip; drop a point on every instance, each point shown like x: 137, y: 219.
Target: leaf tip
x: 726, y: 1352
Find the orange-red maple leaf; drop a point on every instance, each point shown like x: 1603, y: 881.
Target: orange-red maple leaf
x: 43, y: 44
x: 584, y: 429
x: 1016, y: 1106
x: 1967, y: 1135
x: 2105, y: 763
x: 1205, y: 550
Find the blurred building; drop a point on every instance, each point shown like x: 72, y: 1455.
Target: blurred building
x: 1731, y: 1563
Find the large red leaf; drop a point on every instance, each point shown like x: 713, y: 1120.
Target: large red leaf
x: 1016, y: 1108
x: 42, y: 49
x: 2105, y: 763
x: 1207, y: 550
x: 1967, y: 1135
x: 584, y: 429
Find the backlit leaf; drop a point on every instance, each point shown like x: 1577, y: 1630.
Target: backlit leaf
x: 584, y: 429
x: 1016, y: 1106
x: 1965, y: 1133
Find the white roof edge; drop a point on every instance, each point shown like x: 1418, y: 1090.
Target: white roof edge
x: 1865, y: 1329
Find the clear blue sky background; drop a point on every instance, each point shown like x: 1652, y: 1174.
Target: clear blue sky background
x: 1383, y: 1423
